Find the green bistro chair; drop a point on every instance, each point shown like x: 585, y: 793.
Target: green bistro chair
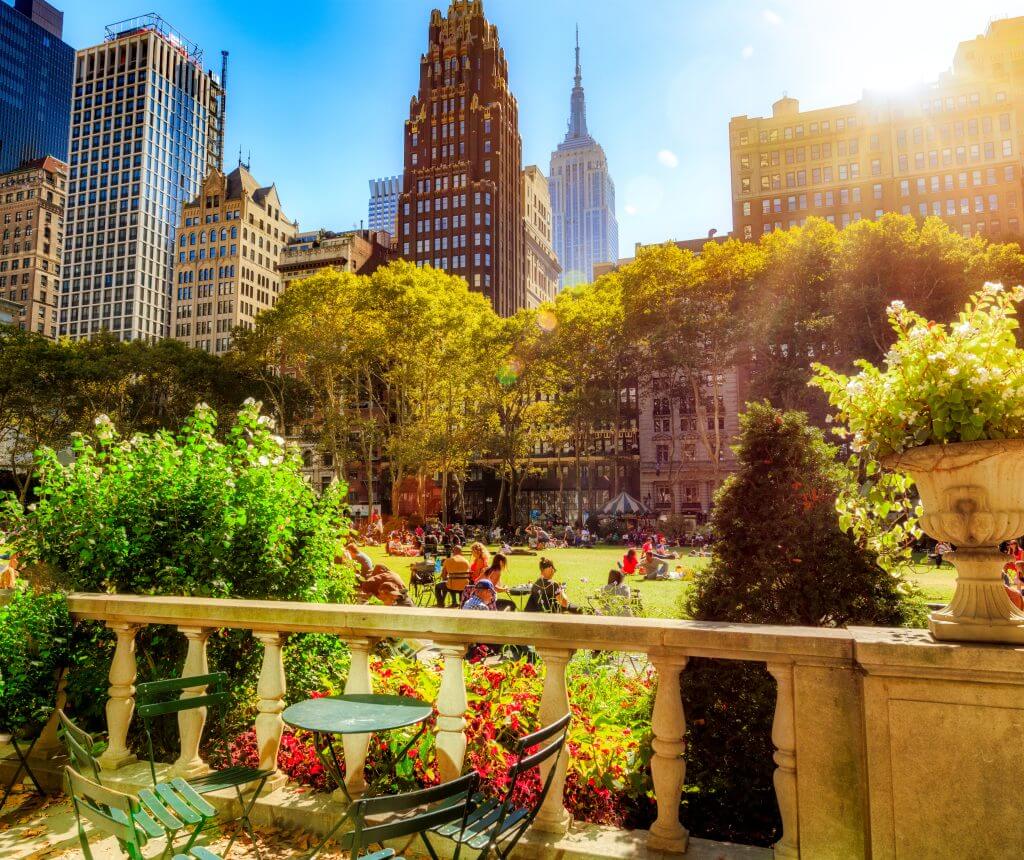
x: 132, y: 822
x: 375, y: 820
x: 496, y: 824
x: 188, y: 808
x: 157, y: 699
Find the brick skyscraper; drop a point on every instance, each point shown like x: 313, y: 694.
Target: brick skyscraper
x: 461, y: 207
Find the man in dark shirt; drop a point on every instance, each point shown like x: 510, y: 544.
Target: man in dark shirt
x: 546, y: 595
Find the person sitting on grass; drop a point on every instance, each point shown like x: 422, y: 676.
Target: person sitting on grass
x: 546, y: 595
x: 483, y: 597
x: 654, y: 568
x: 629, y: 562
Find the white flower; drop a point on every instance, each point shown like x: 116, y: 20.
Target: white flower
x: 964, y: 328
x: 101, y: 420
x: 953, y: 371
x: 992, y: 288
x: 278, y: 440
x: 264, y: 460
x: 249, y: 401
x: 918, y: 332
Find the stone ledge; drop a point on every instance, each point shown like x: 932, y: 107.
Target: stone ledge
x: 914, y: 653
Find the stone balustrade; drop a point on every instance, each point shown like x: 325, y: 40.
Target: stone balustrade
x: 851, y: 706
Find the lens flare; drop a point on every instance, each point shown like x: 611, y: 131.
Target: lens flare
x: 510, y: 371
x: 546, y: 319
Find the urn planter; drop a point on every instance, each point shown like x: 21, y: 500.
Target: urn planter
x: 972, y: 494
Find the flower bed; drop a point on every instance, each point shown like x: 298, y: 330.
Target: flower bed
x: 608, y: 780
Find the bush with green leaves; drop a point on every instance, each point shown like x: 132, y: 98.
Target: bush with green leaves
x: 940, y: 384
x: 187, y: 513
x: 780, y: 557
x: 191, y: 513
x: 35, y: 635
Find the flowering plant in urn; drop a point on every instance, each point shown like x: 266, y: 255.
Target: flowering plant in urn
x: 948, y: 409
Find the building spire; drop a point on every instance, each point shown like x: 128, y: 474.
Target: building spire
x: 577, y: 105
x: 579, y: 74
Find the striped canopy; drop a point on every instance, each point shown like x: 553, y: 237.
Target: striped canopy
x: 624, y: 505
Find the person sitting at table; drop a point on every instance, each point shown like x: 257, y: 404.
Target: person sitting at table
x: 483, y: 597
x: 614, y: 597
x: 454, y: 577
x: 479, y: 560
x: 546, y: 595
x: 629, y: 561
x: 383, y: 584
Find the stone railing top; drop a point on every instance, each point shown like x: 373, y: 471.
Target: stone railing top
x: 651, y: 635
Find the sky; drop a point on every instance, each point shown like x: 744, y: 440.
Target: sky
x: 318, y: 91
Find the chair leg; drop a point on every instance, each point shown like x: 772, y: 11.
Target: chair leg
x: 23, y: 765
x: 244, y: 818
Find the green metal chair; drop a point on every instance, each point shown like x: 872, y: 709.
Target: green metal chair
x: 132, y: 822
x: 496, y: 824
x: 188, y: 807
x: 157, y: 699
x: 375, y: 820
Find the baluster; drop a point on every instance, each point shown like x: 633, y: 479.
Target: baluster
x: 49, y: 746
x: 450, y: 741
x: 784, y: 739
x: 192, y: 722
x: 270, y: 689
x: 668, y: 768
x: 356, y: 746
x: 553, y: 817
x: 121, y: 701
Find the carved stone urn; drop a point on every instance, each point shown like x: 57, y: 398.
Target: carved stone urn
x: 972, y: 494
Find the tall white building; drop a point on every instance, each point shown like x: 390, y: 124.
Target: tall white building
x: 146, y: 125
x: 582, y: 196
x: 383, y: 206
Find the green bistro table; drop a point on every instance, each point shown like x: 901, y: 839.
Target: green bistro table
x: 355, y: 714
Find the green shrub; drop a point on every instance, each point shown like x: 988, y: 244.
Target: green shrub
x: 35, y: 632
x: 780, y: 557
x: 189, y: 514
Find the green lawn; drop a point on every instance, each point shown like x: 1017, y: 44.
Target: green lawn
x: 583, y: 571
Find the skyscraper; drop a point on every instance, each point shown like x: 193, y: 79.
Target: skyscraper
x: 35, y: 84
x: 461, y: 207
x: 582, y: 196
x: 540, y: 265
x: 146, y: 127
x: 383, y: 208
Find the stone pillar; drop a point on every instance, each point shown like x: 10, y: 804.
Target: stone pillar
x: 191, y: 723
x: 554, y: 703
x: 270, y: 689
x: 49, y: 745
x: 121, y: 701
x: 784, y: 739
x: 450, y: 741
x: 356, y: 746
x: 668, y: 769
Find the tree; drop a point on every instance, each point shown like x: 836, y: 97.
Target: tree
x: 684, y: 313
x: 799, y: 567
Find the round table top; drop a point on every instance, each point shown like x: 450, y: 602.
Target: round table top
x: 356, y: 713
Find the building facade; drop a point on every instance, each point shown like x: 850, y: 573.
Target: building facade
x: 952, y: 149
x: 540, y: 265
x: 145, y: 129
x: 461, y: 205
x: 32, y: 219
x: 357, y: 251
x: 383, y: 206
x: 36, y: 69
x: 226, y: 259
x: 584, y: 227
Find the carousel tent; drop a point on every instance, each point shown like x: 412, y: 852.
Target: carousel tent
x: 624, y: 505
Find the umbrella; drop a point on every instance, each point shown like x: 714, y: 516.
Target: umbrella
x: 624, y: 505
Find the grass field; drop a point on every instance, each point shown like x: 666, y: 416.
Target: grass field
x: 583, y: 571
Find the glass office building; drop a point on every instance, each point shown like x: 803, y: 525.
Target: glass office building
x: 35, y: 84
x: 383, y: 206
x: 583, y: 225
x: 145, y: 128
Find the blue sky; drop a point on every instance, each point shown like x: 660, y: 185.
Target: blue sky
x: 318, y: 92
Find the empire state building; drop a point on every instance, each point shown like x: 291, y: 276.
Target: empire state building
x: 584, y: 228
